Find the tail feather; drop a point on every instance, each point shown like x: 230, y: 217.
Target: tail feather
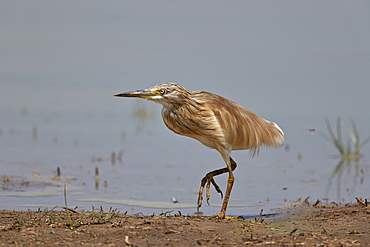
x: 279, y: 137
x: 272, y: 136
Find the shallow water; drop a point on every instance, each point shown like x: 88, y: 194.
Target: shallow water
x: 152, y: 166
x: 294, y: 65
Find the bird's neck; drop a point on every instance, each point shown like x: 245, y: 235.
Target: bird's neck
x: 188, y: 106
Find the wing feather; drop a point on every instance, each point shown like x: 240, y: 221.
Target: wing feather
x: 221, y: 124
x: 242, y: 129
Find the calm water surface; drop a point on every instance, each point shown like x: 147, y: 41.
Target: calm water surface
x: 62, y: 62
x: 153, y: 165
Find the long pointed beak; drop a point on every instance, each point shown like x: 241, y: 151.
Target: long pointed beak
x: 138, y: 94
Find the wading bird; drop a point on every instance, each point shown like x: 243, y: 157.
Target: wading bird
x: 216, y: 122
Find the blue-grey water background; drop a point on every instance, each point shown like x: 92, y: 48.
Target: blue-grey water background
x: 291, y: 62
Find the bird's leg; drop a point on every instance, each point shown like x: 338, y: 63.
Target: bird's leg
x: 230, y: 183
x: 208, y: 178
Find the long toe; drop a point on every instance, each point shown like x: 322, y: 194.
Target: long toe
x: 200, y: 199
x: 217, y: 188
x: 200, y: 195
x: 208, y: 191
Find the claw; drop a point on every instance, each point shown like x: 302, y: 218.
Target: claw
x: 206, y: 181
x: 217, y: 188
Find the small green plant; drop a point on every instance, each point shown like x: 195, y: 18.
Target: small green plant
x: 345, y: 149
x: 71, y: 222
x: 166, y: 213
x: 19, y: 223
x: 102, y: 217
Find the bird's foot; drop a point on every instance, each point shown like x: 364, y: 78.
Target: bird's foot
x: 206, y: 181
x: 222, y: 216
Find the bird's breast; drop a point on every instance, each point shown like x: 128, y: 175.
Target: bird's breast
x: 194, y: 124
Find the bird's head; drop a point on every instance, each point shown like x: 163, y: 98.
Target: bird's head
x: 167, y: 94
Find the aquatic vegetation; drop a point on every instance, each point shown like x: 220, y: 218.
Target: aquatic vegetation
x: 346, y: 165
x: 345, y: 148
x: 349, y: 151
x: 94, y: 217
x: 71, y: 222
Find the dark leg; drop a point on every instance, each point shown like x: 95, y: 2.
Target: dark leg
x: 208, y: 179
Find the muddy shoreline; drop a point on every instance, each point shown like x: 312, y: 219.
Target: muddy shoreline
x: 302, y: 224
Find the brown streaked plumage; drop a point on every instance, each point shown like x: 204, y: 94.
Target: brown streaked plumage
x: 216, y: 122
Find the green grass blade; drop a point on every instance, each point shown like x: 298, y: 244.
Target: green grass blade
x: 339, y: 129
x: 336, y: 140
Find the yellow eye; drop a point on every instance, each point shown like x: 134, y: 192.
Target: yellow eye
x: 162, y: 91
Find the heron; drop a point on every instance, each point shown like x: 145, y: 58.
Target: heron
x: 216, y: 122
